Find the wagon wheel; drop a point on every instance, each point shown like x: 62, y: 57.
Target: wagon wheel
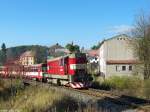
x: 44, y: 80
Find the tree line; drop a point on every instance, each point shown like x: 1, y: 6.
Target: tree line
x: 13, y: 53
x: 41, y: 52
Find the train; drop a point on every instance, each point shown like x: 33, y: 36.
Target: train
x: 69, y: 70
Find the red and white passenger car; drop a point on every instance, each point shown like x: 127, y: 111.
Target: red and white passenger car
x: 34, y: 71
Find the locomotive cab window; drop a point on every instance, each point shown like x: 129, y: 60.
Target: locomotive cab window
x: 61, y: 62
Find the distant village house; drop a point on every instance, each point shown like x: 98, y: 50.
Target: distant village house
x: 93, y: 56
x: 27, y: 58
x: 57, y: 50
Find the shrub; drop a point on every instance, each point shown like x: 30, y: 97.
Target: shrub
x: 127, y: 84
x: 98, y: 83
x: 1, y: 83
x: 147, y: 88
x: 130, y: 85
x: 124, y: 82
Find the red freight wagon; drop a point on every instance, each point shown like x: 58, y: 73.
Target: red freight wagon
x: 69, y: 69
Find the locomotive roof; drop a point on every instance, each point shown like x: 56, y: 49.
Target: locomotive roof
x: 57, y: 58
x: 70, y: 55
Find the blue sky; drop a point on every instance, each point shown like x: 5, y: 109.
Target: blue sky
x: 46, y: 22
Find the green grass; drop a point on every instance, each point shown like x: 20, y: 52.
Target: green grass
x: 124, y: 82
x: 130, y: 85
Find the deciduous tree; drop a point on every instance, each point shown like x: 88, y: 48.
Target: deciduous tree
x: 142, y: 46
x: 73, y: 48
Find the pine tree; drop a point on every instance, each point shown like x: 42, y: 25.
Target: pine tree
x: 3, y: 54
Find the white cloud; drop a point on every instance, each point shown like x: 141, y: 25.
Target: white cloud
x: 120, y: 29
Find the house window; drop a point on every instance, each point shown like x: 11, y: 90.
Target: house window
x: 130, y: 68
x: 117, y: 68
x: 123, y: 68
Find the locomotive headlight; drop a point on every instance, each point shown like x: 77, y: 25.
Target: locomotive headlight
x: 72, y: 66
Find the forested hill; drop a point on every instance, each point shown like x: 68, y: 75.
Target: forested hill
x: 40, y: 52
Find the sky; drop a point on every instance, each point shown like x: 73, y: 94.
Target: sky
x: 85, y: 22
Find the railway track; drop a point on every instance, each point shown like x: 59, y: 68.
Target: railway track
x: 95, y: 93
x: 116, y: 98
